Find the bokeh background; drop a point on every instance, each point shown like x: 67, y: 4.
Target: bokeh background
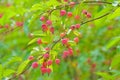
x: 99, y: 40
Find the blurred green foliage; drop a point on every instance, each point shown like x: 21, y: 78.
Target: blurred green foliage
x: 99, y: 40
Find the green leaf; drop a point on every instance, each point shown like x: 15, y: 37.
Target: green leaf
x: 54, y: 54
x: 113, y: 42
x: 8, y: 72
x: 1, y: 71
x: 115, y: 61
x: 115, y: 72
x: 36, y: 7
x: 72, y: 43
x: 76, y: 33
x: 39, y: 35
x: 14, y: 60
x: 32, y: 41
x: 115, y: 14
x: 22, y: 67
x: 53, y: 3
x: 105, y: 76
x: 103, y: 19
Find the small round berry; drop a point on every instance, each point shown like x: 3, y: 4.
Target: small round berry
x: 44, y: 64
x: 52, y: 30
x: 42, y: 18
x: 69, y: 14
x: 49, y: 70
x: 57, y: 61
x: 70, y: 50
x: 39, y: 41
x: 49, y: 22
x: 84, y: 12
x: 65, y: 41
x: 88, y: 15
x: 31, y: 58
x: 46, y: 55
x: 19, y: 24
x: 65, y: 54
x: 49, y: 62
x: 72, y: 4
x: 72, y: 27
x: 62, y: 34
x: 43, y: 70
x: 62, y: 12
x: 77, y: 17
x: 44, y: 27
x: 34, y: 64
x: 77, y: 26
x: 76, y: 39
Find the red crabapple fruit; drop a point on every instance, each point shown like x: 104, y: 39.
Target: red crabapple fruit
x: 31, y: 58
x: 34, y: 64
x: 62, y: 12
x: 42, y: 18
x: 39, y: 41
x: 49, y: 62
x: 69, y: 14
x: 57, y: 61
x: 65, y: 41
x: 76, y: 39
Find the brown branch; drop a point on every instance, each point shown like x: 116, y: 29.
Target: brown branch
x: 97, y: 18
x: 103, y: 2
x: 19, y: 74
x: 6, y: 32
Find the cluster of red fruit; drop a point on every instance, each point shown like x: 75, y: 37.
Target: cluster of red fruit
x: 39, y: 41
x: 47, y: 25
x: 88, y: 14
x: 45, y: 65
x: 65, y: 40
x: 68, y: 52
x: 69, y: 14
x: 18, y: 23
